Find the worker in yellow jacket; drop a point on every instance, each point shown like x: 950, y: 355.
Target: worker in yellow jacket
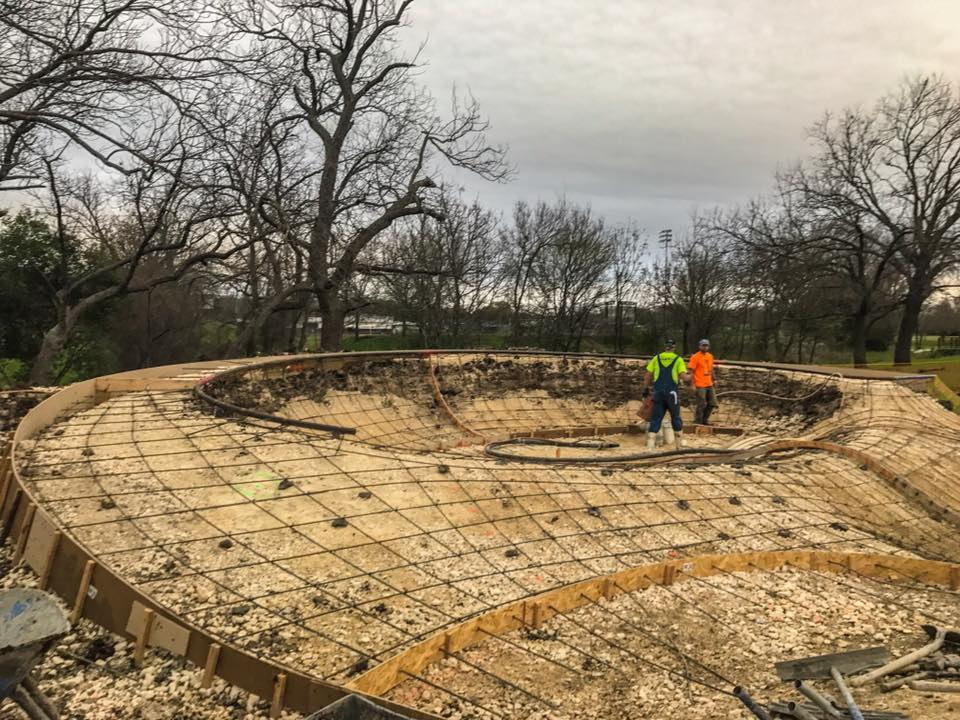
x: 664, y: 374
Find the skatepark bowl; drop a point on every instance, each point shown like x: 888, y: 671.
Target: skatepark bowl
x: 476, y: 535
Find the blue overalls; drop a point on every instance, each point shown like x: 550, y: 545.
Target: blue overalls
x: 665, y: 398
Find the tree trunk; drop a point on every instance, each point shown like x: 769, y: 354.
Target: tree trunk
x: 332, y: 315
x: 909, y: 322
x: 54, y: 340
x: 253, y: 326
x: 859, y: 331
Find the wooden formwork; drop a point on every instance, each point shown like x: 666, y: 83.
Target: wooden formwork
x: 92, y: 591
x: 532, y: 612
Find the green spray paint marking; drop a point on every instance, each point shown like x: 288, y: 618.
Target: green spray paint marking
x: 266, y: 486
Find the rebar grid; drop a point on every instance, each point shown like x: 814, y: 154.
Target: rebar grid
x: 433, y: 538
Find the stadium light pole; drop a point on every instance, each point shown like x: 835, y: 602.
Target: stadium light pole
x: 666, y: 237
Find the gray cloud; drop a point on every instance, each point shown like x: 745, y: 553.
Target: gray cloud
x: 649, y: 108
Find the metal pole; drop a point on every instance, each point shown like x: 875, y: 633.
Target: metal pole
x: 666, y: 237
x: 758, y: 710
x: 847, y: 696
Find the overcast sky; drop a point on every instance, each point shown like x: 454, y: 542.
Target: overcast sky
x: 648, y: 109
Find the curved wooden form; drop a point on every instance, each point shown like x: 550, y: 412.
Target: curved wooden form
x: 532, y: 612
x: 94, y: 592
x: 111, y: 602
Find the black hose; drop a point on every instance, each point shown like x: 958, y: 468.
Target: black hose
x: 493, y: 450
x: 594, y: 444
x: 232, y: 409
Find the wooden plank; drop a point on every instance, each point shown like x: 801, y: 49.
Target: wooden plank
x: 10, y: 513
x: 210, y: 667
x: 24, y: 532
x: 279, y: 689
x: 164, y: 632
x: 82, y: 590
x: 41, y: 540
x: 146, y: 618
x: 116, y: 386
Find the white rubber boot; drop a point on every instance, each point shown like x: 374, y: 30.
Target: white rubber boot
x: 668, y: 436
x: 679, y: 437
x: 651, y: 441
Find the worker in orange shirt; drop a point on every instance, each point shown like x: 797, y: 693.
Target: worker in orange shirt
x: 701, y: 366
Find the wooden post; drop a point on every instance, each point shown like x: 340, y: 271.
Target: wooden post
x: 81, y: 597
x: 955, y: 577
x: 607, y: 588
x: 24, y: 532
x: 537, y: 615
x: 9, y: 515
x: 210, y: 669
x: 51, y: 556
x: 669, y: 571
x: 279, y: 687
x: 6, y: 475
x: 143, y: 637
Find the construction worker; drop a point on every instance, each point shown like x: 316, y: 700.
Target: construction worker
x: 702, y: 368
x: 664, y: 373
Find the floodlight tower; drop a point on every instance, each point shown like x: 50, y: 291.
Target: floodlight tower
x: 666, y: 237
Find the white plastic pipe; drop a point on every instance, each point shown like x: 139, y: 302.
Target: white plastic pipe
x: 901, y: 662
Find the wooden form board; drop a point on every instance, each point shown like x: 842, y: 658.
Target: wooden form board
x: 41, y: 546
x: 164, y: 632
x: 110, y: 600
x: 535, y: 610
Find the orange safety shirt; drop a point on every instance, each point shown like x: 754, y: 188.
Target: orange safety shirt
x: 701, y: 365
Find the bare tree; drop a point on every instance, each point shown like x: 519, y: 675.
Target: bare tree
x: 627, y: 275
x: 374, y: 135
x: 568, y: 276
x: 532, y: 231
x: 75, y: 74
x: 168, y: 218
x: 777, y: 276
x: 899, y: 168
x: 444, y: 272
x: 702, y: 283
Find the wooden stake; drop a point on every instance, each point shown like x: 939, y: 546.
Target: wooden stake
x: 10, y: 514
x: 81, y: 597
x: 668, y: 574
x: 24, y: 532
x: 607, y: 588
x: 537, y: 613
x: 955, y: 578
x: 6, y: 473
x: 210, y: 669
x: 279, y: 687
x: 51, y: 556
x: 143, y: 637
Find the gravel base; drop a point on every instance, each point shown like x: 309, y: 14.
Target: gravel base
x: 737, y: 624
x: 90, y: 675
